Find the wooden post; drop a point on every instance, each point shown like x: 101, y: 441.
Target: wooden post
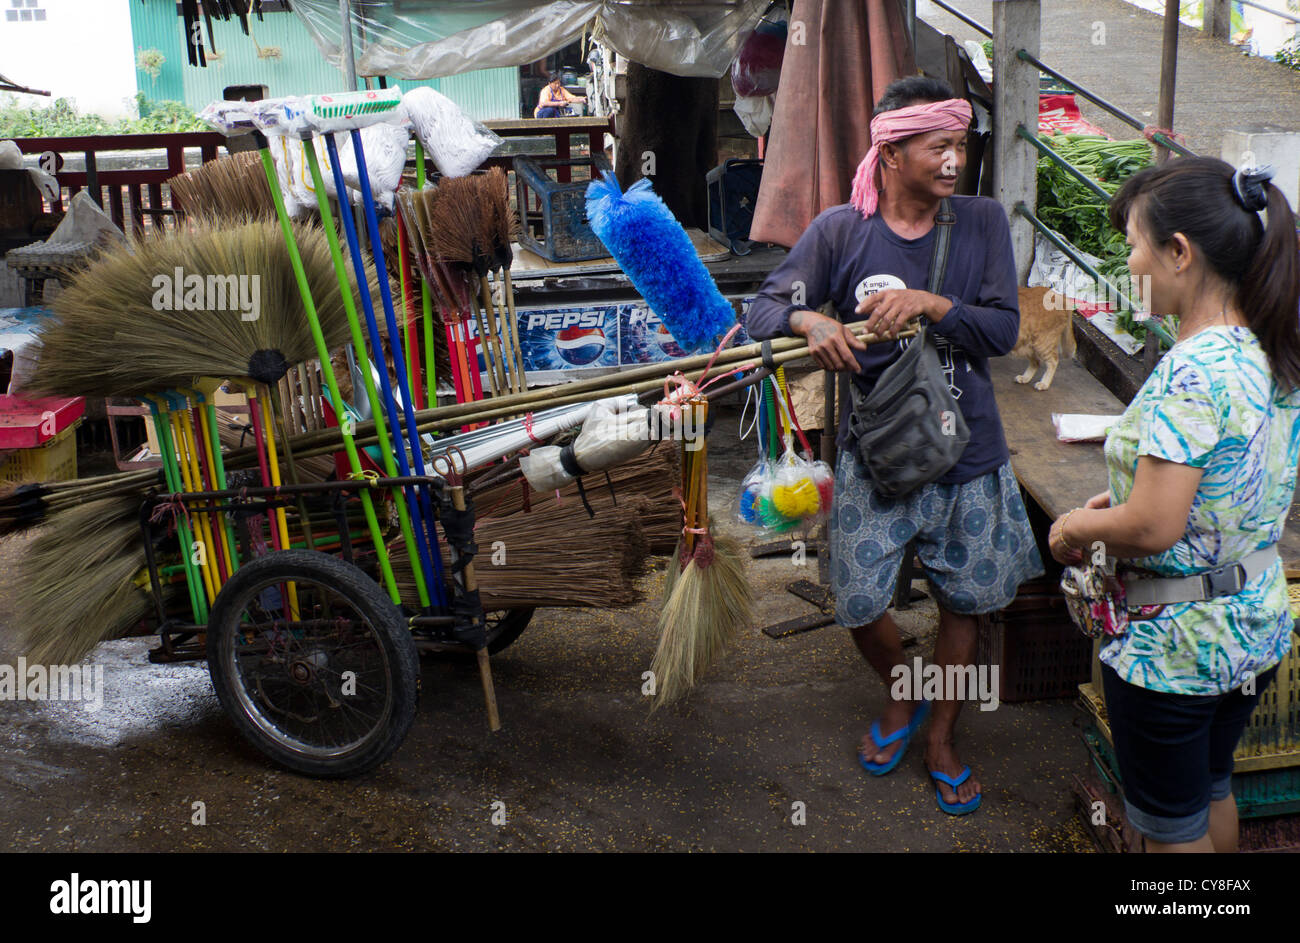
x: 1168, y: 70
x: 1015, y: 162
x: 1217, y: 22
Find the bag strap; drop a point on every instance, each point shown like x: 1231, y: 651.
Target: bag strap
x: 943, y: 221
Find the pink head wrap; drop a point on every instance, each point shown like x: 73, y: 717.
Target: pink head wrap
x: 951, y: 115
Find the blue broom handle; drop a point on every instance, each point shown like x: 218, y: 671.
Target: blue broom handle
x: 395, y: 341
x: 390, y: 406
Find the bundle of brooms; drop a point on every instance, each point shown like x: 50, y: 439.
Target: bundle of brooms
x: 75, y: 584
x: 460, y: 231
x: 552, y: 556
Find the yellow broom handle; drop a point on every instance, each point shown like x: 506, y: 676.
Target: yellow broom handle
x: 182, y: 449
x: 281, y: 521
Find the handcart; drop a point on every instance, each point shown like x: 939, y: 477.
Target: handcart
x: 312, y: 661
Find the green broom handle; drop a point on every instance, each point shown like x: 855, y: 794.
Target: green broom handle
x: 322, y: 350
x: 426, y: 302
x: 197, y: 604
x: 220, y: 465
x: 359, y: 344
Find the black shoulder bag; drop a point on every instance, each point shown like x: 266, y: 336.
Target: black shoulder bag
x: 909, y: 431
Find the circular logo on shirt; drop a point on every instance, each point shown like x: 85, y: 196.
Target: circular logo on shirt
x: 874, y: 283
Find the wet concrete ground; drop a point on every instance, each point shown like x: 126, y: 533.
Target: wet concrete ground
x: 579, y: 763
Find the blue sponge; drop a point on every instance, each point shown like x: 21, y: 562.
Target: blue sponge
x: 651, y: 246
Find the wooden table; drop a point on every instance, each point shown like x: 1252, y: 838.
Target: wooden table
x: 1063, y: 475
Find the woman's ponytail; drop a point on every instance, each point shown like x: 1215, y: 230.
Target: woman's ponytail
x: 1269, y: 294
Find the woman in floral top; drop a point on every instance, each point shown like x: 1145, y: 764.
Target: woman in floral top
x: 1202, y: 470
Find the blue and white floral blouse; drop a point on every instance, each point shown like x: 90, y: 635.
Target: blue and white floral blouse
x: 1211, y: 403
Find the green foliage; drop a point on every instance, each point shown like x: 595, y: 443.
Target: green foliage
x: 1289, y: 54
x: 1079, y: 215
x: 150, y: 62
x: 61, y: 119
x: 164, y: 116
x: 988, y: 50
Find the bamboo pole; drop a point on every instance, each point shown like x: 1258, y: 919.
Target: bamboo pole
x: 637, y: 380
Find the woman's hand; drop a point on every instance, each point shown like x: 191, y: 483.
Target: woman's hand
x: 1056, y: 543
x: 1099, y: 500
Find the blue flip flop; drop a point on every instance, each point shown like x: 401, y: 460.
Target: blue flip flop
x: 905, y: 733
x: 955, y: 808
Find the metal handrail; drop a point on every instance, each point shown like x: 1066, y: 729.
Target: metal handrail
x: 964, y: 18
x: 1151, y: 324
x: 1162, y: 139
x: 1072, y: 170
x: 1260, y: 6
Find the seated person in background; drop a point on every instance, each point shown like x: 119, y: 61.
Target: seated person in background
x: 553, y: 102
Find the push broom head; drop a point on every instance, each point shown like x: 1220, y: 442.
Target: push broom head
x: 210, y: 300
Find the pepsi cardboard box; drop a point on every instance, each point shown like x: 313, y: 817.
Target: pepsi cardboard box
x: 566, y: 342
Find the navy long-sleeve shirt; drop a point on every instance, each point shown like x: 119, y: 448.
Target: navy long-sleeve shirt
x: 841, y: 257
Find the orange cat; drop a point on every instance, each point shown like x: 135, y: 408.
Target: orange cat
x: 1044, y: 333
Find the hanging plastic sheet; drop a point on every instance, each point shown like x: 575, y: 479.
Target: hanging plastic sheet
x: 437, y: 38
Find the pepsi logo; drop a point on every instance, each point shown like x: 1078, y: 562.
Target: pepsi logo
x: 580, y: 346
x: 667, y: 343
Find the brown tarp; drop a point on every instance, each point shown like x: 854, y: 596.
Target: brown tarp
x: 852, y: 50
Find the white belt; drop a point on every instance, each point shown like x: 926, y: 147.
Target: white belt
x: 1226, y: 580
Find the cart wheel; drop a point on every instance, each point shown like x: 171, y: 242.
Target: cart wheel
x: 504, y: 626
x: 327, y: 690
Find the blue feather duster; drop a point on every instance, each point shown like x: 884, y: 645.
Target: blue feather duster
x: 651, y: 246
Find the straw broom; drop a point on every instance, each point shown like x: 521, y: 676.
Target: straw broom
x: 229, y: 188
x: 708, y: 600
x: 77, y: 581
x: 110, y: 337
x: 554, y: 556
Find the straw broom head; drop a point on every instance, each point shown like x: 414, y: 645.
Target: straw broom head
x: 77, y: 580
x: 502, y: 223
x: 119, y: 331
x: 555, y: 556
x: 458, y: 229
x: 231, y: 188
x: 709, y: 604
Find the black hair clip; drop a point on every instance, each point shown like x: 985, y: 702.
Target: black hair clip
x: 1248, y: 185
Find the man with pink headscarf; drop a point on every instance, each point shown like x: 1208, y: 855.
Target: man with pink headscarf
x: 870, y: 258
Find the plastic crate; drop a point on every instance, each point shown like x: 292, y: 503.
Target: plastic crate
x: 1266, y: 776
x: 1039, y: 652
x: 559, y: 210
x: 54, y: 460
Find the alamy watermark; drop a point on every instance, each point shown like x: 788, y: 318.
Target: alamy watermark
x: 934, y: 682
x: 178, y: 291
x: 25, y: 682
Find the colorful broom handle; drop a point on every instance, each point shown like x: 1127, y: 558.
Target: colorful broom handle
x: 322, y: 351
x: 372, y: 223
x: 418, y: 511
x: 184, y: 452
x: 197, y: 605
x: 359, y: 346
x: 405, y: 278
x: 426, y: 302
x: 219, y: 465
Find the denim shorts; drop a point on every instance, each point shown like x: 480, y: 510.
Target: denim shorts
x: 1175, y: 752
x: 974, y: 541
